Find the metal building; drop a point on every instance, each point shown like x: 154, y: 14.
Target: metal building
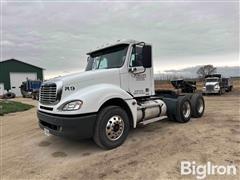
x: 13, y: 72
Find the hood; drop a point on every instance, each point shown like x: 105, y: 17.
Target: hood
x: 211, y: 83
x: 88, y: 75
x: 87, y: 78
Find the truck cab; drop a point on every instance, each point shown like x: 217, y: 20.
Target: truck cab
x: 114, y: 94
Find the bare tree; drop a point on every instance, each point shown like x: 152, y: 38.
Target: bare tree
x: 206, y: 70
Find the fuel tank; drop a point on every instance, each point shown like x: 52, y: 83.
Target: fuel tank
x: 151, y: 109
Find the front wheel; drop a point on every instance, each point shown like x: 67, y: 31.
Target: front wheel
x: 220, y: 92
x: 33, y: 96
x: 111, y: 128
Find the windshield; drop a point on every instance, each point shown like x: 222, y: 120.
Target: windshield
x: 225, y: 80
x: 212, y: 80
x: 112, y: 57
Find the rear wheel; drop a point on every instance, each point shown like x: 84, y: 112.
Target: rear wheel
x: 189, y: 96
x: 198, y: 105
x: 111, y: 128
x: 183, y: 110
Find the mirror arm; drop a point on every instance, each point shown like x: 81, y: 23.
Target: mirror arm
x: 133, y: 69
x: 141, y: 72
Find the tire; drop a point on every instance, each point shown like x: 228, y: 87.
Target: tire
x: 33, y: 97
x: 220, y: 92
x: 112, y: 138
x: 183, y: 104
x: 198, y: 105
x: 9, y: 95
x: 223, y: 91
x: 175, y: 108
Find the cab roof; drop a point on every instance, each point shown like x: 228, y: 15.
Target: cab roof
x: 212, y: 78
x: 108, y: 45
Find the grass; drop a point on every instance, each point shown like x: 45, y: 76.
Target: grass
x: 7, y: 106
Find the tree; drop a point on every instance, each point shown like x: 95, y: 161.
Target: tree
x: 206, y: 70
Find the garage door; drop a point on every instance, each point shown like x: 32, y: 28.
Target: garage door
x: 16, y: 80
x: 1, y: 89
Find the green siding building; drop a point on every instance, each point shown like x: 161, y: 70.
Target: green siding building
x: 13, y: 72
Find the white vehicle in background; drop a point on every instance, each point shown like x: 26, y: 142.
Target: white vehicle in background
x: 213, y: 84
x: 114, y: 94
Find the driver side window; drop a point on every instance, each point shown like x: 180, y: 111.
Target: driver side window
x: 135, y: 58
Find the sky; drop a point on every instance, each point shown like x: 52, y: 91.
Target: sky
x: 56, y: 35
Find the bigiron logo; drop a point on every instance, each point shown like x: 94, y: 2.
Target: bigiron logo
x: 202, y: 171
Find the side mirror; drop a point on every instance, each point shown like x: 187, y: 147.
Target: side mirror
x: 147, y: 56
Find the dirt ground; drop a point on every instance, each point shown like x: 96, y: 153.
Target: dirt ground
x: 150, y: 152
x: 168, y: 85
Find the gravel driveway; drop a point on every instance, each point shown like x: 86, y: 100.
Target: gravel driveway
x: 150, y: 152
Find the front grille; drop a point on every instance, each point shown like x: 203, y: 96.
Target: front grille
x: 48, y: 93
x: 210, y: 88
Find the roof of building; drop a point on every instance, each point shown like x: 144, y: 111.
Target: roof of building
x: 21, y: 62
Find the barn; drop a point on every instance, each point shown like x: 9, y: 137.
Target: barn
x: 13, y: 72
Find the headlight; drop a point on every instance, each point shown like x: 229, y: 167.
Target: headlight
x: 71, y: 106
x: 216, y: 86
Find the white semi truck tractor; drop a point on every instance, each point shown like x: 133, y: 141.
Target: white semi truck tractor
x: 114, y: 94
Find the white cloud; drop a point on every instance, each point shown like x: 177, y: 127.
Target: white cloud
x: 182, y: 34
x: 7, y: 43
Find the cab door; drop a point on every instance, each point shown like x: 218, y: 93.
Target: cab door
x: 140, y: 72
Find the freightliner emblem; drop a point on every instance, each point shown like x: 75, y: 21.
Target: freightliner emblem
x: 69, y: 88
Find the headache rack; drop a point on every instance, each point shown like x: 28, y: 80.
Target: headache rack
x: 185, y: 86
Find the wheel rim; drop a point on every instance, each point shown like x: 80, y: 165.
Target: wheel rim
x: 186, y: 109
x: 200, y: 106
x: 114, y: 128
